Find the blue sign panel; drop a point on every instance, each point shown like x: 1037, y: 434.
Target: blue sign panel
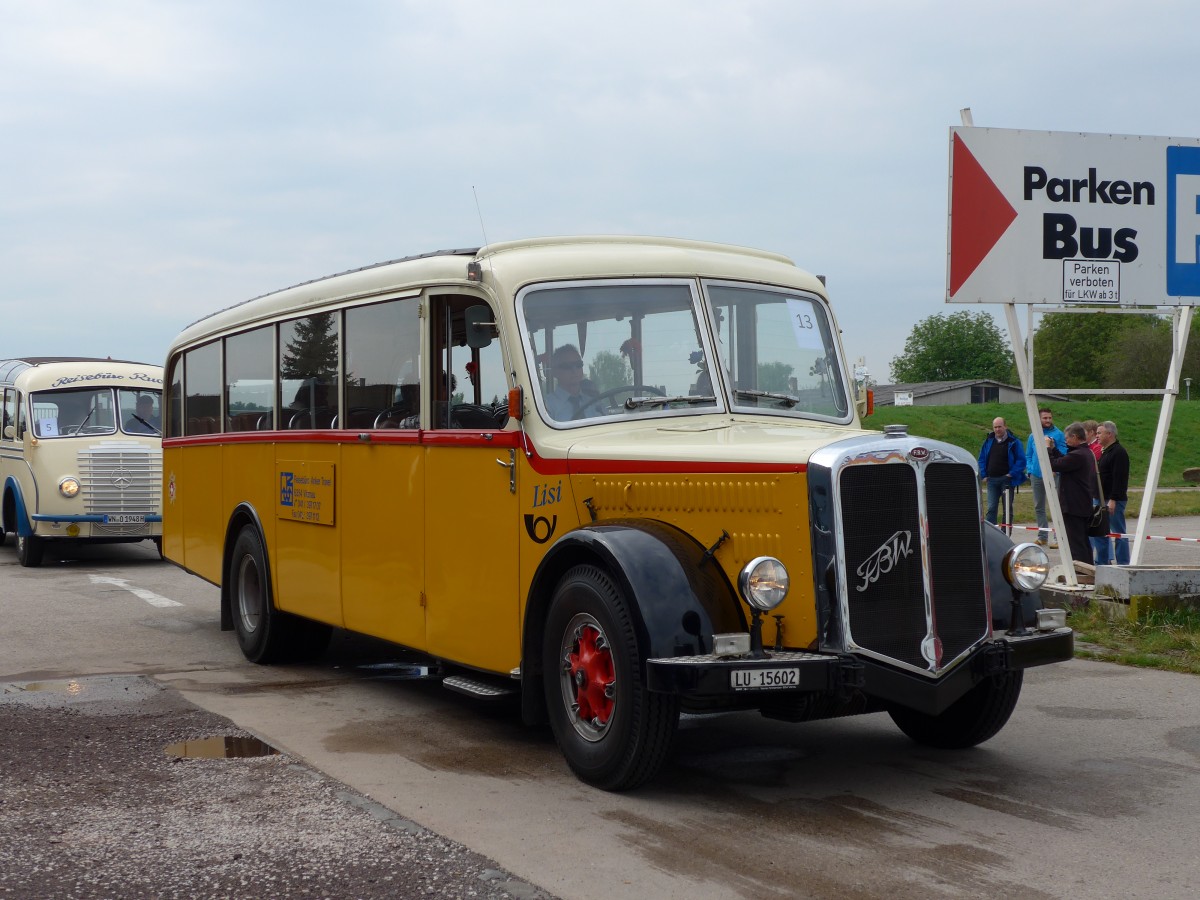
x: 1183, y: 221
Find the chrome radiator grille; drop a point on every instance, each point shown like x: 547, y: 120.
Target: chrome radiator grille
x: 121, y: 477
x: 913, y: 567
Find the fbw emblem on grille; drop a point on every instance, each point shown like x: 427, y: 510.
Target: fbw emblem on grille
x: 883, y: 560
x: 919, y: 453
x: 121, y: 478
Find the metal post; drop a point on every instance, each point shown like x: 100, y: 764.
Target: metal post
x: 1181, y: 326
x: 1024, y: 373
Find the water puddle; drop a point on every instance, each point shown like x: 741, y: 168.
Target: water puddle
x: 220, y: 748
x: 71, y: 688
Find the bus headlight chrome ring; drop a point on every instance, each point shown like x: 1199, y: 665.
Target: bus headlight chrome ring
x: 68, y: 486
x: 764, y: 583
x: 1026, y: 567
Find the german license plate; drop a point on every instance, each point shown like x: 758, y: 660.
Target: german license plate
x: 125, y: 519
x: 759, y: 679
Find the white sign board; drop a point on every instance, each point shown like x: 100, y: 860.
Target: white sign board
x: 1064, y: 218
x: 903, y: 398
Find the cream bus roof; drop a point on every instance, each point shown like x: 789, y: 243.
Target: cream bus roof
x: 508, y: 266
x: 38, y: 373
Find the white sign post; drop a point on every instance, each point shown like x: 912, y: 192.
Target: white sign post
x: 1077, y: 220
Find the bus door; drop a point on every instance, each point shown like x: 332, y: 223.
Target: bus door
x: 471, y: 490
x: 382, y: 485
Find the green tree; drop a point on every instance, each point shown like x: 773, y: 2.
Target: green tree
x: 313, y: 349
x: 953, y: 347
x: 1074, y: 350
x: 609, y: 370
x: 773, y: 376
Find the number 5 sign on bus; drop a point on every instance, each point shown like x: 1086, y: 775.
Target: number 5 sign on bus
x: 1064, y: 218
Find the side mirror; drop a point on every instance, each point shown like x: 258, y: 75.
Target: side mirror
x: 480, y: 326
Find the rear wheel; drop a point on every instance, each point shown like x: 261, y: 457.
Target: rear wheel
x: 29, y: 550
x: 265, y: 634
x: 972, y: 719
x: 614, y: 733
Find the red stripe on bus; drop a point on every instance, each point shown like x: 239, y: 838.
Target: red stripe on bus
x: 507, y: 439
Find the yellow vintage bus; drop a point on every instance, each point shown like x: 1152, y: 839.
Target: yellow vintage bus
x: 80, y: 453
x: 620, y: 477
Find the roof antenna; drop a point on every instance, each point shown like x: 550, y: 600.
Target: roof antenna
x: 480, y: 213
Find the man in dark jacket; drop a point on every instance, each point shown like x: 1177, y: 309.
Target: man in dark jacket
x: 1077, y: 488
x: 1114, y: 484
x: 1001, y: 465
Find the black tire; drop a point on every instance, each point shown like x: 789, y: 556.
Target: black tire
x: 266, y: 635
x: 158, y: 547
x: 972, y: 719
x: 614, y: 733
x: 29, y: 551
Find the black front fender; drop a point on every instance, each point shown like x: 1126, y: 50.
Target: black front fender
x: 678, y: 597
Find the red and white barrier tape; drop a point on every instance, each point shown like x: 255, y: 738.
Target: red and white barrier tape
x: 1114, y: 534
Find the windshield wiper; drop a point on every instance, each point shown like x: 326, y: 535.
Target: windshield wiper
x: 153, y: 430
x: 79, y: 430
x: 635, y: 402
x: 770, y: 395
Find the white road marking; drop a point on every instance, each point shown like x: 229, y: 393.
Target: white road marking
x: 149, y: 596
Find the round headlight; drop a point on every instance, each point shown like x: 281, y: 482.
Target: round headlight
x: 764, y: 583
x: 1026, y: 567
x: 68, y: 487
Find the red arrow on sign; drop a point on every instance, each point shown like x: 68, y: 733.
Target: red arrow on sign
x: 979, y: 215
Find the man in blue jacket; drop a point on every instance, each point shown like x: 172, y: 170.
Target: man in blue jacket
x: 1001, y: 465
x: 1034, y: 469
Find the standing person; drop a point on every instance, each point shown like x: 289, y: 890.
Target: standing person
x: 1001, y: 465
x: 1099, y: 544
x: 1077, y: 488
x: 1093, y: 442
x: 1034, y: 469
x: 1114, y: 482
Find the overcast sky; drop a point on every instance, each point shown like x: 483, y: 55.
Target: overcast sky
x: 160, y: 160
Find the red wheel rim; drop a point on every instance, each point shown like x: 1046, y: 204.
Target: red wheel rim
x: 588, y: 677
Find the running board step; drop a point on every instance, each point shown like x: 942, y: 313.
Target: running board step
x: 474, y: 687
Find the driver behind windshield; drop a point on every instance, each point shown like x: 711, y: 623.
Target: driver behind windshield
x: 143, y: 420
x: 572, y: 392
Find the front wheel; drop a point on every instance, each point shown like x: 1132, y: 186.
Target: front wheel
x: 29, y: 550
x: 972, y: 719
x: 614, y: 733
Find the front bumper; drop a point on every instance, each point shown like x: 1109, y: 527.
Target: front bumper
x: 712, y: 678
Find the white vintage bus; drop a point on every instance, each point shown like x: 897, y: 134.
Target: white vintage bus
x: 80, y: 453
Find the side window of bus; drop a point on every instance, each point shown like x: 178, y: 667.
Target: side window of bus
x: 10, y: 415
x: 470, y: 389
x: 308, y: 371
x: 383, y: 365
x: 250, y: 380
x: 202, y: 383
x: 174, y: 398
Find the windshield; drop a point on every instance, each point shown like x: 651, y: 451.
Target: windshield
x: 140, y: 412
x: 603, y: 350
x: 614, y: 349
x: 66, y: 413
x: 777, y: 350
